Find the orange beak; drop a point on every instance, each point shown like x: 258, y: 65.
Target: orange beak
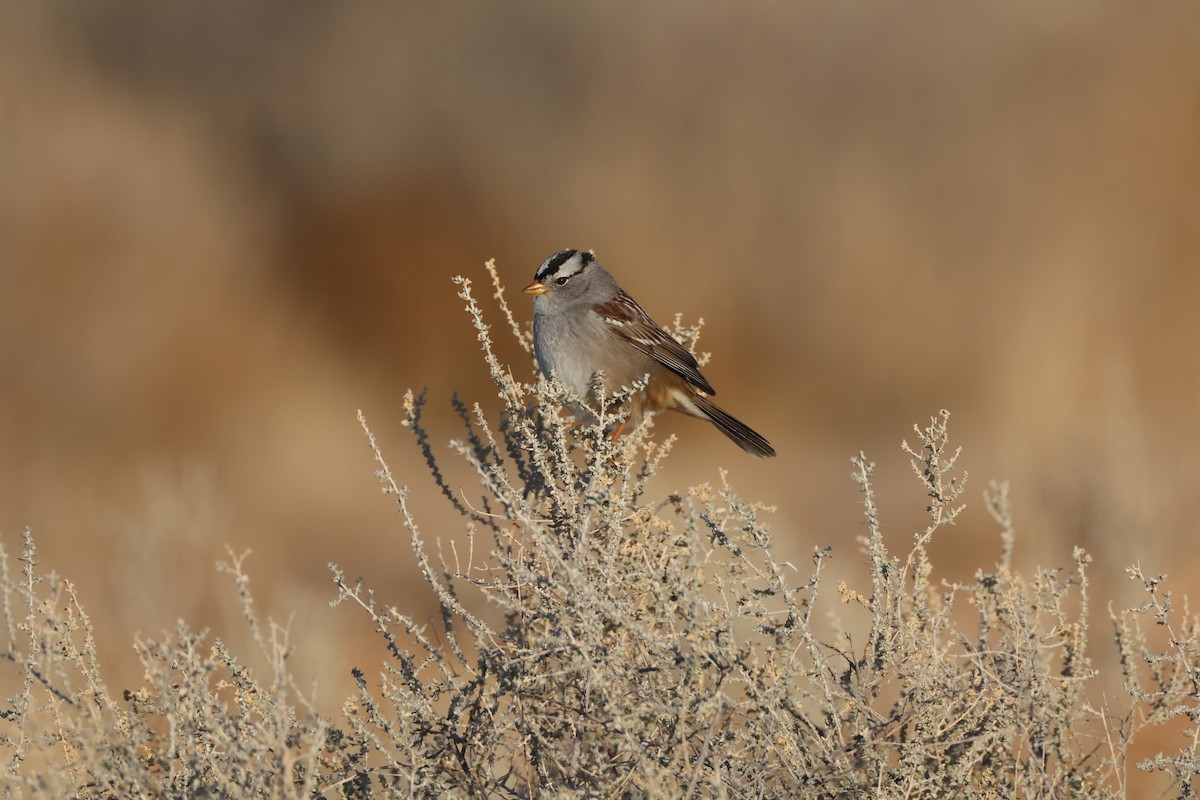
x: 537, y: 287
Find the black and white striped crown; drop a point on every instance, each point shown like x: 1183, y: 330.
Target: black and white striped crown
x: 563, y: 264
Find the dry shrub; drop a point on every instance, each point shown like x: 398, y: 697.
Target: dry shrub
x: 595, y: 641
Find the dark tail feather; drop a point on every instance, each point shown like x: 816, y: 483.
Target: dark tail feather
x: 742, y: 434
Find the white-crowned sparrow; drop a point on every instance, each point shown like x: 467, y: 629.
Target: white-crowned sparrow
x: 583, y: 323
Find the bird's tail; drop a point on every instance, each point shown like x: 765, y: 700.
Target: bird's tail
x: 742, y: 434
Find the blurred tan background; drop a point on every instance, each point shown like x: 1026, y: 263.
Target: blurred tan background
x: 226, y: 227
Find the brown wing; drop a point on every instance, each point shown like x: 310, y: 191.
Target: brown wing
x: 627, y: 320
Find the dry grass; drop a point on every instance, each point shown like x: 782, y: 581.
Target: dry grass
x: 597, y: 641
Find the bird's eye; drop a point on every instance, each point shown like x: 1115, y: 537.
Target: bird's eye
x: 560, y: 281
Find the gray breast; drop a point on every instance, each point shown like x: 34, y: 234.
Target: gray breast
x: 574, y: 347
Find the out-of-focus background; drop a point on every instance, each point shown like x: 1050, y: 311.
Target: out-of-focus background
x: 226, y: 227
